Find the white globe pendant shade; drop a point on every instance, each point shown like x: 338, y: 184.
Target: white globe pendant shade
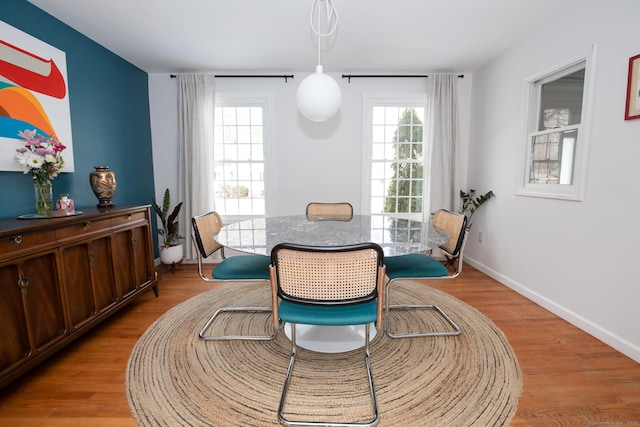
x: 319, y: 96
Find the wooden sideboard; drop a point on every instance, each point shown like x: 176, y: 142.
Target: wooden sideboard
x: 60, y: 277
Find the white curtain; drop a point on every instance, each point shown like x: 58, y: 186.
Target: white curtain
x: 442, y: 138
x: 196, y: 107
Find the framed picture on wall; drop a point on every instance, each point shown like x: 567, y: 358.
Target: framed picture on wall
x: 34, y: 95
x: 632, y: 111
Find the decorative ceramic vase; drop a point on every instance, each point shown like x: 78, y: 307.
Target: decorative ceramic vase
x: 103, y: 184
x: 44, y: 196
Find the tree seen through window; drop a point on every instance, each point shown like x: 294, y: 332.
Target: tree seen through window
x: 404, y: 191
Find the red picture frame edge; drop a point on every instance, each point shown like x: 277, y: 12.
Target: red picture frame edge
x: 629, y: 80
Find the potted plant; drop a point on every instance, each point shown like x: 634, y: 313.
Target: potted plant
x: 172, y: 251
x: 470, y: 203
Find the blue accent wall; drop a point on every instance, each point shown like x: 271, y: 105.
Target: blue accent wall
x: 110, y: 121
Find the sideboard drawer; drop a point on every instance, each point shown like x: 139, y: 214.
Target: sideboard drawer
x: 31, y: 242
x: 130, y: 218
x: 82, y: 229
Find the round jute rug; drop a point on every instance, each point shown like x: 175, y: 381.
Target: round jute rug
x: 175, y: 379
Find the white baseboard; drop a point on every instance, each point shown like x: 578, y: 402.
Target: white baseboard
x: 622, y: 345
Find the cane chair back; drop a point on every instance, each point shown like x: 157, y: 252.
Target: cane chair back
x: 204, y: 228
x: 454, y: 224
x: 342, y: 211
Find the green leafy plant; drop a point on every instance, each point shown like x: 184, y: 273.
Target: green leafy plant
x: 471, y: 203
x: 170, y: 230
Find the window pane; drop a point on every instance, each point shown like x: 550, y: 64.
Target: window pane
x: 256, y: 152
x: 378, y: 133
x: 256, y: 116
x: 230, y: 134
x: 561, y: 101
x: 228, y: 116
x: 243, y: 116
x: 378, y: 115
x: 377, y: 151
x: 552, y: 157
x: 256, y: 134
x: 244, y: 134
x: 391, y: 115
x: 244, y: 152
x: 377, y: 171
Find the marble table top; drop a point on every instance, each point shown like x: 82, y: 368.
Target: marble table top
x: 396, y: 236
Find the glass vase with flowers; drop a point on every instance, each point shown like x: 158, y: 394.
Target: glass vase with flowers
x: 41, y: 157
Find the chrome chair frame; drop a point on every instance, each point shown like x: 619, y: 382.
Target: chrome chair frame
x: 211, y: 224
x: 453, y: 250
x: 376, y: 294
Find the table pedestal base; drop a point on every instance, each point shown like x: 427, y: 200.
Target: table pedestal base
x: 330, y: 339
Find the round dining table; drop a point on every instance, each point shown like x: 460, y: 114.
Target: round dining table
x: 396, y: 236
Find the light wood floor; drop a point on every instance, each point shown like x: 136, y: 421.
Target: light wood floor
x: 570, y: 378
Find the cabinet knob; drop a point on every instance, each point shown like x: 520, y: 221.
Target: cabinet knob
x: 134, y: 241
x: 86, y: 225
x: 23, y: 282
x: 16, y: 240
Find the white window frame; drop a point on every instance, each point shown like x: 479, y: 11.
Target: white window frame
x: 531, y: 88
x: 264, y: 100
x: 394, y: 99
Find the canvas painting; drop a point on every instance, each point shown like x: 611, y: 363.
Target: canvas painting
x: 34, y: 94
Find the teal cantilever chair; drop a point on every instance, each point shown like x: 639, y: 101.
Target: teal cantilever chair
x: 423, y: 266
x: 330, y: 286
x: 235, y: 268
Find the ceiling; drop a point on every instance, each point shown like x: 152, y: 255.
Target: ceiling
x: 410, y: 36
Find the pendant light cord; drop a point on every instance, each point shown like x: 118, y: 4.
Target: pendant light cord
x: 331, y: 15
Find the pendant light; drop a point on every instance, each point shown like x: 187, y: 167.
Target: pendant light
x: 319, y: 96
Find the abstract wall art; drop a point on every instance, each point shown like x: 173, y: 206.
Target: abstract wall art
x: 34, y: 94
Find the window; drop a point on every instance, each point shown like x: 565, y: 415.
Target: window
x: 395, y: 144
x: 553, y: 141
x: 556, y: 133
x: 239, y: 157
x: 393, y: 163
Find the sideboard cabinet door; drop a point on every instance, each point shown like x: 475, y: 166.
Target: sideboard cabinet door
x: 31, y: 308
x: 134, y: 255
x: 88, y: 277
x: 14, y: 337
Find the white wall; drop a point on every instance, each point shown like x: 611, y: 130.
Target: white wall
x: 310, y: 161
x: 575, y: 258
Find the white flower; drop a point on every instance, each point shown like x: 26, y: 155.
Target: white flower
x: 34, y: 161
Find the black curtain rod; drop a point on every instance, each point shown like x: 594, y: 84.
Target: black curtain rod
x: 350, y: 76
x: 241, y: 76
